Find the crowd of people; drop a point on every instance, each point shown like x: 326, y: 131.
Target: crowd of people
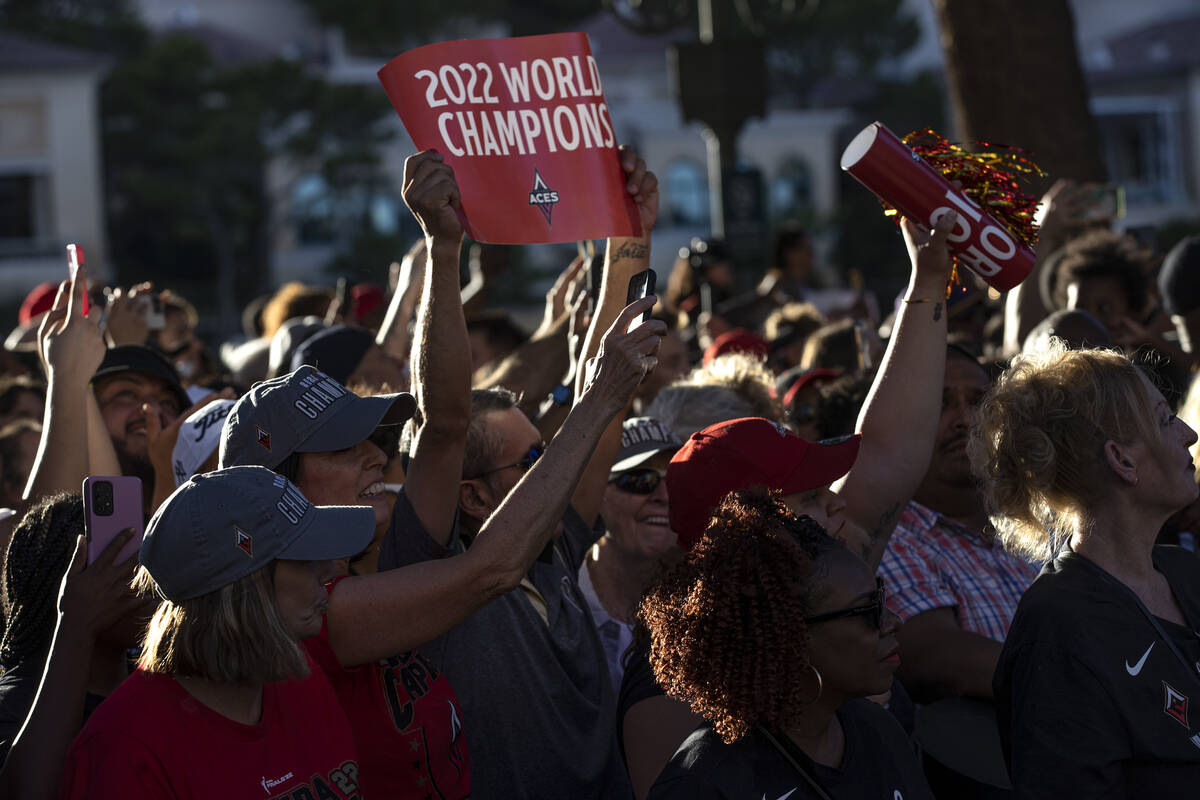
x: 786, y: 542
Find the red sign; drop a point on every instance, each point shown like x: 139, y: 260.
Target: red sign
x: 880, y: 161
x: 524, y: 124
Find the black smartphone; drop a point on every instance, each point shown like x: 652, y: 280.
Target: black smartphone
x: 641, y: 285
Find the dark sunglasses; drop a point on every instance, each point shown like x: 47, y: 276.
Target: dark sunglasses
x: 639, y: 481
x: 526, y: 463
x: 873, y: 610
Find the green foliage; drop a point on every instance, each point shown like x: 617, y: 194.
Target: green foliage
x: 379, y: 26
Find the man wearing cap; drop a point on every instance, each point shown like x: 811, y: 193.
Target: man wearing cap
x: 99, y: 429
x: 529, y: 666
x: 855, y: 487
x: 637, y: 538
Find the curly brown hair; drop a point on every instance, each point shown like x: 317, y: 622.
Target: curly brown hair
x: 727, y: 630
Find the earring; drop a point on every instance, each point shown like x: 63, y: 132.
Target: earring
x: 820, y: 684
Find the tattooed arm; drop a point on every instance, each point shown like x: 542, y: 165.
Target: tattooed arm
x: 900, y: 416
x: 623, y: 258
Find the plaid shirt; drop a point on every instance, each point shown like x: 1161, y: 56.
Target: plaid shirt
x: 933, y: 562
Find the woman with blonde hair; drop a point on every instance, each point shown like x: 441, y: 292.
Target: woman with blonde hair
x: 1083, y: 461
x: 225, y: 702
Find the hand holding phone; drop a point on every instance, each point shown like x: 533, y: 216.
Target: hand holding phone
x: 641, y: 285
x: 112, y: 504
x: 74, y: 259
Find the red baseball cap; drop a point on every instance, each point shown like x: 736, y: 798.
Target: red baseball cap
x: 366, y: 298
x: 738, y: 340
x: 36, y: 303
x: 815, y: 375
x: 743, y: 453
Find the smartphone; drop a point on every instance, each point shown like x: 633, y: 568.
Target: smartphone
x: 74, y: 259
x: 152, y: 312
x: 640, y: 285
x: 110, y: 505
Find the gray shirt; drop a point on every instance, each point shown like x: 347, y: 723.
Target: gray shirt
x: 539, y: 709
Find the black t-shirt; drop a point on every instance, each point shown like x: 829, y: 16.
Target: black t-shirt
x: 18, y: 688
x: 879, y: 764
x: 1090, y: 700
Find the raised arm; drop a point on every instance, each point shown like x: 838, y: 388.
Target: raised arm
x: 623, y: 258
x: 90, y: 601
x: 72, y: 350
x: 374, y: 616
x: 900, y: 416
x: 393, y: 334
x: 441, y: 371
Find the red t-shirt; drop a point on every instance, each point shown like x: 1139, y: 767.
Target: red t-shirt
x: 407, y: 724
x: 151, y: 739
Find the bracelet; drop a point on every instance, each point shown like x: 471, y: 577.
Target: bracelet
x: 915, y: 300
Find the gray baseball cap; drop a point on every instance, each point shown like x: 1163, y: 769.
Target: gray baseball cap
x: 305, y: 411
x: 221, y: 526
x: 642, y: 438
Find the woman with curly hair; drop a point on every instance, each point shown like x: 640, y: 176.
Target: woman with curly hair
x: 773, y: 632
x: 1083, y: 462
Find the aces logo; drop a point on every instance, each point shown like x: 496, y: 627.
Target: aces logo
x: 542, y: 196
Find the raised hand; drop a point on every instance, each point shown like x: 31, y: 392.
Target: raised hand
x: 70, y: 344
x: 92, y: 598
x: 431, y: 193
x: 927, y: 248
x: 625, y: 356
x: 643, y: 185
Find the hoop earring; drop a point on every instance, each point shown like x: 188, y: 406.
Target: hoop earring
x: 820, y: 684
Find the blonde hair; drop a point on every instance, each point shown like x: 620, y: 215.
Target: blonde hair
x: 232, y: 635
x: 1039, y: 441
x: 747, y: 375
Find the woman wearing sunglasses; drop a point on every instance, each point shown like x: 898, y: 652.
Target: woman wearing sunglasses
x: 637, y: 539
x: 774, y: 632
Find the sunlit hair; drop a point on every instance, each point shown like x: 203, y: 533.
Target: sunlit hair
x: 1038, y: 445
x: 727, y: 630
x: 232, y: 635
x: 746, y: 374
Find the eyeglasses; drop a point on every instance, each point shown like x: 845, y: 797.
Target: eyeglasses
x: 639, y: 481
x: 526, y: 463
x: 873, y: 610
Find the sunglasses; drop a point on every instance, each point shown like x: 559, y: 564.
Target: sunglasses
x: 639, y: 481
x: 526, y: 463
x: 873, y: 611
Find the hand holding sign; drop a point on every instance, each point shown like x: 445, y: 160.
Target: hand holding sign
x: 431, y: 193
x: 525, y: 126
x: 643, y: 185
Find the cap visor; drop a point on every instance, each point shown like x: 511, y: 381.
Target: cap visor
x: 822, y: 465
x: 333, y: 532
x: 358, y: 420
x: 637, y: 459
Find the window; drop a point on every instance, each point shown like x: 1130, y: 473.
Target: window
x: 1140, y: 140
x: 791, y: 191
x: 313, y: 210
x: 687, y: 193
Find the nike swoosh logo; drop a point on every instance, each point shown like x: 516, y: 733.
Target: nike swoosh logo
x: 782, y: 796
x: 1136, y: 668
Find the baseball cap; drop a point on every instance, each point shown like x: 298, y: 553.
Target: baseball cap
x: 742, y: 453
x: 222, y: 526
x: 1179, y: 277
x: 337, y: 351
x: 642, y: 438
x: 144, y: 361
x: 39, y: 300
x: 305, y: 411
x: 738, y: 340
x: 199, y: 437
x: 291, y: 334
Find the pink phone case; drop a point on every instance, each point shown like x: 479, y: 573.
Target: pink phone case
x: 108, y: 511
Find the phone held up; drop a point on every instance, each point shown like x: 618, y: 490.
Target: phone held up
x: 641, y: 285
x: 112, y: 504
